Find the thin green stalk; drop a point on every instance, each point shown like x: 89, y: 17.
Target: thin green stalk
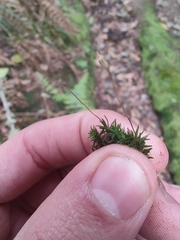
x: 81, y: 102
x: 120, y: 103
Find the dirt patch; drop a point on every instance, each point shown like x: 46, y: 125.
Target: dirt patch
x: 168, y: 13
x: 115, y: 34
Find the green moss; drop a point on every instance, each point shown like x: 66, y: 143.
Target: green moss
x: 106, y: 134
x: 160, y: 63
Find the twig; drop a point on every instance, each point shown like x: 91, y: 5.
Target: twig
x: 10, y: 120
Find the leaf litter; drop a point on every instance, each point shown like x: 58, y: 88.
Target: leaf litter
x: 115, y: 30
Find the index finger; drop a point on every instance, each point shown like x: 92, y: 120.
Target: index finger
x: 54, y: 143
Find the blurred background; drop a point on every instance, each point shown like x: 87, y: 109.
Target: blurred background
x: 47, y: 43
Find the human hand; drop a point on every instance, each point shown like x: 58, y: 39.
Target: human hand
x: 53, y: 187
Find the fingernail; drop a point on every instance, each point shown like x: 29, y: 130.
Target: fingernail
x: 120, y: 186
x: 175, y: 186
x: 165, y: 193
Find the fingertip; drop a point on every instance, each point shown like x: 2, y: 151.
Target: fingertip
x: 159, y: 153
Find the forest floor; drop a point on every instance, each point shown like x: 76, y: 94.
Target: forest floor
x: 115, y: 31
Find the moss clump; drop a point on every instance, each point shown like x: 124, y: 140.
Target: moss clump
x: 160, y: 63
x: 105, y: 134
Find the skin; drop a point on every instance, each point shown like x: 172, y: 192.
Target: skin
x: 46, y: 171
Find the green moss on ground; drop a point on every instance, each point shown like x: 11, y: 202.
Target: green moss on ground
x: 160, y: 62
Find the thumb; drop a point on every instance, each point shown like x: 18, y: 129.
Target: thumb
x: 106, y: 196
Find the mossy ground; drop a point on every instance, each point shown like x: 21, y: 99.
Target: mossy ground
x: 160, y: 62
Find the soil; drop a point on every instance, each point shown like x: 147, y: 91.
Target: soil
x: 115, y: 36
x: 169, y: 14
